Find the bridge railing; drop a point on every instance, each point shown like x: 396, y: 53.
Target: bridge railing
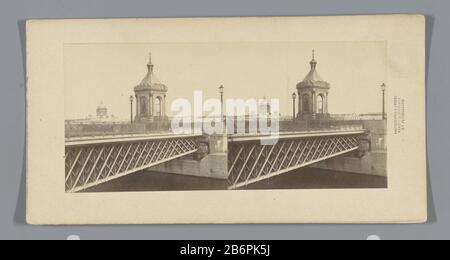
x: 92, y: 129
x: 287, y: 124
x: 95, y: 129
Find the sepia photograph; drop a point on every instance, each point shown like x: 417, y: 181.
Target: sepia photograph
x: 226, y: 120
x: 225, y: 116
x: 235, y: 122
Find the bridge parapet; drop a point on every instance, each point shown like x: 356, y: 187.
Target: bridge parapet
x: 296, y: 134
x: 234, y: 125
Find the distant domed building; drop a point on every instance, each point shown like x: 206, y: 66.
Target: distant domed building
x: 313, y: 94
x: 150, y: 97
x: 102, y: 111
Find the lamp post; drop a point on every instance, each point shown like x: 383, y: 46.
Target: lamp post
x: 383, y: 91
x: 294, y: 97
x: 131, y: 108
x: 221, y: 90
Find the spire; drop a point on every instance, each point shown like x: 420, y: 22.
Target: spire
x: 150, y: 64
x: 313, y: 61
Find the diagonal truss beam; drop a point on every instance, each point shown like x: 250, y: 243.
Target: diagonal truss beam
x: 249, y: 166
x: 90, y: 164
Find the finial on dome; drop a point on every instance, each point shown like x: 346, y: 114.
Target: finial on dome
x: 150, y: 64
x: 313, y: 61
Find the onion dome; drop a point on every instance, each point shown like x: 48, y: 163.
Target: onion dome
x: 150, y: 82
x: 313, y: 78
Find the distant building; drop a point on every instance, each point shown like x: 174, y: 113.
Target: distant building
x: 102, y: 111
x: 101, y: 117
x: 95, y: 125
x: 313, y: 95
x: 150, y: 97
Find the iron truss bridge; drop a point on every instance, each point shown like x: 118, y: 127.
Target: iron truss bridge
x: 249, y: 161
x: 92, y: 161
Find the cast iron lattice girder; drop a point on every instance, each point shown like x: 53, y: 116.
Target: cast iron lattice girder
x: 88, y: 165
x: 251, y: 162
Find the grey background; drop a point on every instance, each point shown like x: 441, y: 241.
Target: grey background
x: 13, y: 13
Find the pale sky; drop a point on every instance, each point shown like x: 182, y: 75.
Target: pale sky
x: 107, y: 73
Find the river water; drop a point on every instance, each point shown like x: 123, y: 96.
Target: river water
x: 304, y: 178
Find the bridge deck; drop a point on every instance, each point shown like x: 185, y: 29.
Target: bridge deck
x: 125, y: 138
x: 295, y: 134
x: 98, y: 159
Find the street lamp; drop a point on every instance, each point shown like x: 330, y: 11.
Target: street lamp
x: 294, y: 96
x: 131, y: 108
x: 221, y: 90
x: 383, y: 91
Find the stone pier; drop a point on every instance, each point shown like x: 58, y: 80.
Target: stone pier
x: 374, y: 159
x: 210, y: 161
